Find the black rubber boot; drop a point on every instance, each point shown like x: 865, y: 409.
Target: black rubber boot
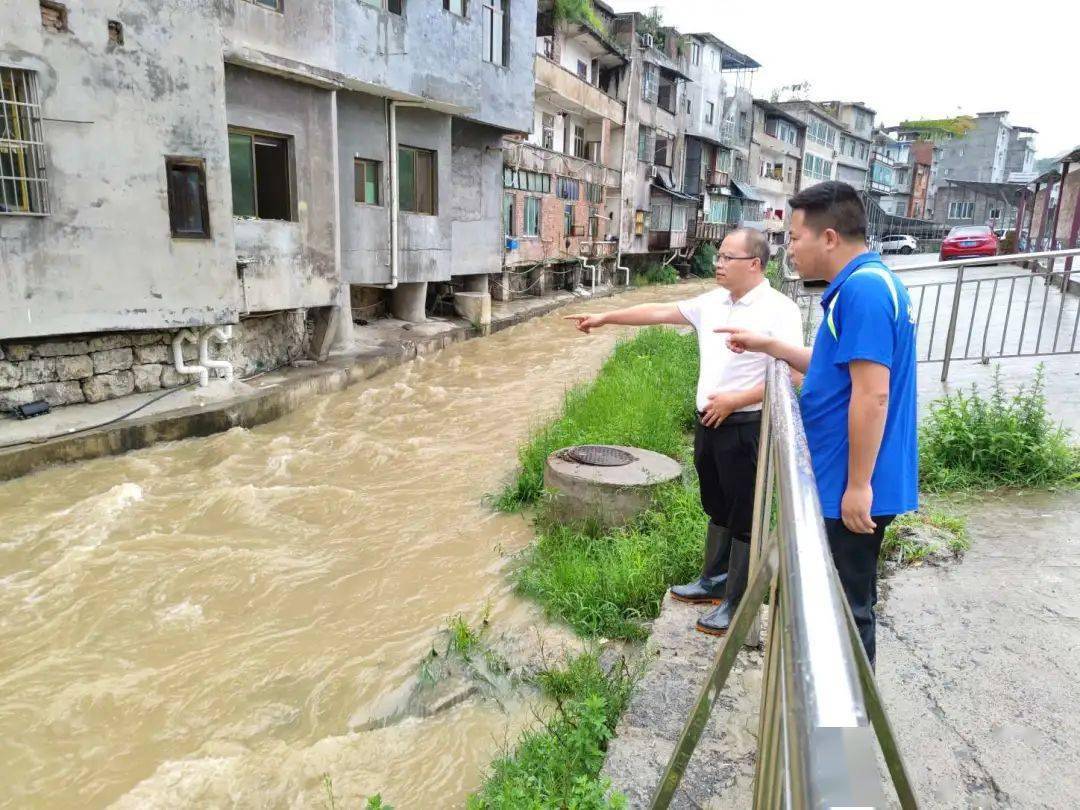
x: 709, y: 587
x: 716, y: 621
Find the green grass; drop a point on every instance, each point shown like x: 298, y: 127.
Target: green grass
x: 975, y: 441
x: 656, y: 273
x: 775, y: 274
x: 558, y: 764
x: 643, y: 397
x: 899, y: 547
x: 607, y: 584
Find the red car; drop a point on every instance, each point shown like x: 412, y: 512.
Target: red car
x: 967, y: 241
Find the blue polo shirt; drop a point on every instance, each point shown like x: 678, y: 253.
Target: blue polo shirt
x: 868, y: 316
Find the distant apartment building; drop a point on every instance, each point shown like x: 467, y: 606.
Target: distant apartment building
x: 900, y: 175
x: 854, y: 144
x: 972, y: 202
x: 259, y: 164
x: 822, y: 142
x: 984, y: 148
x: 562, y: 184
x: 717, y: 117
x: 776, y: 155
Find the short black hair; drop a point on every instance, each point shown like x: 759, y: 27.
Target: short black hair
x: 832, y: 205
x: 756, y: 244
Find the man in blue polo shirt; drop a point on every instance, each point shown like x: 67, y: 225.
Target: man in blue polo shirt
x: 858, y: 396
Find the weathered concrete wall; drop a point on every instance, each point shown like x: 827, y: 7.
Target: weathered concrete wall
x: 303, y: 31
x: 292, y: 262
x: 475, y: 198
x: 434, y: 54
x: 103, y: 259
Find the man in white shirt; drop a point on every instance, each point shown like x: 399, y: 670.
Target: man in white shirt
x: 729, y: 393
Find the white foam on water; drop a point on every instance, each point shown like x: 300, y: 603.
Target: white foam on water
x: 183, y: 613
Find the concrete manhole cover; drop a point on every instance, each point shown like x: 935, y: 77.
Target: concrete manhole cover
x: 598, y: 455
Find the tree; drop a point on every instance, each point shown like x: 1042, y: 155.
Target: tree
x: 792, y: 92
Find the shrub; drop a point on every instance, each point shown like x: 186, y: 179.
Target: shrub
x: 974, y: 442
x: 703, y: 265
x: 558, y: 765
x: 656, y: 273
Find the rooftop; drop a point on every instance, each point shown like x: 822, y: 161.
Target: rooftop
x: 733, y: 59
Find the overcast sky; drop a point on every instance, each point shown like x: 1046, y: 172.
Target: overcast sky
x: 916, y: 59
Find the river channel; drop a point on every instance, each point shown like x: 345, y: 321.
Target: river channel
x: 212, y: 622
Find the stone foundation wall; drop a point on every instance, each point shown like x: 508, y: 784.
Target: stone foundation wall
x: 93, y: 368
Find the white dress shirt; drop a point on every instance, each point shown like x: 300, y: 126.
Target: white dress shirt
x: 763, y: 310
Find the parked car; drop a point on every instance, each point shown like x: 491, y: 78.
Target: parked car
x: 899, y: 243
x: 968, y: 241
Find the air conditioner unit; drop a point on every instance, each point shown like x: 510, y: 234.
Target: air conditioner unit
x: 647, y: 40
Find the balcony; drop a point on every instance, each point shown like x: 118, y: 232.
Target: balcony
x: 718, y: 179
x: 667, y: 240
x: 574, y: 93
x: 535, y: 158
x: 598, y: 249
x: 709, y: 231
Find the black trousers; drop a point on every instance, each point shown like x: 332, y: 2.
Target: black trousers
x: 856, y: 560
x: 726, y: 460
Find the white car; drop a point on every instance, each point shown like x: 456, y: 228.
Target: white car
x: 899, y: 243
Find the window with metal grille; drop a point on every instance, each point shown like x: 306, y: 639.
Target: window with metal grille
x: 643, y: 143
x: 568, y: 220
x: 23, y: 186
x: 568, y: 188
x: 189, y: 214
x: 260, y: 169
x: 526, y: 180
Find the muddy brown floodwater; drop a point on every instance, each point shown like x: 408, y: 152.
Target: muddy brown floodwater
x: 209, y: 623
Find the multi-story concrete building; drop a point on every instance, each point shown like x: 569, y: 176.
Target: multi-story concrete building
x: 561, y: 204
x: 822, y: 143
x: 854, y: 143
x: 776, y: 154
x: 245, y: 162
x: 715, y: 115
x: 985, y: 148
x: 656, y: 211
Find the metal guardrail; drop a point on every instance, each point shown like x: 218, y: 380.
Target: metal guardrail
x: 1017, y: 313
x: 820, y: 708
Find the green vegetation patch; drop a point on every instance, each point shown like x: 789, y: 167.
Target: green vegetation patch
x: 643, y: 397
x: 558, y: 764
x: 929, y: 534
x: 974, y: 441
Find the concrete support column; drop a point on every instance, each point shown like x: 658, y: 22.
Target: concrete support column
x: 408, y: 302
x: 539, y: 278
x: 502, y: 289
x: 344, y: 337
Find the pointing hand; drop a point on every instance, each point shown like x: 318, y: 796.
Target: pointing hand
x: 586, y: 322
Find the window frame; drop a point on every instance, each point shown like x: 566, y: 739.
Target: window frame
x: 27, y: 151
x: 199, y: 164
x: 645, y: 135
x: 509, y: 226
x: 434, y: 212
x: 568, y: 219
x: 290, y: 172
x: 531, y: 203
x: 710, y: 111
x: 464, y: 13
x: 384, y: 6
x: 377, y: 164
x: 489, y: 10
